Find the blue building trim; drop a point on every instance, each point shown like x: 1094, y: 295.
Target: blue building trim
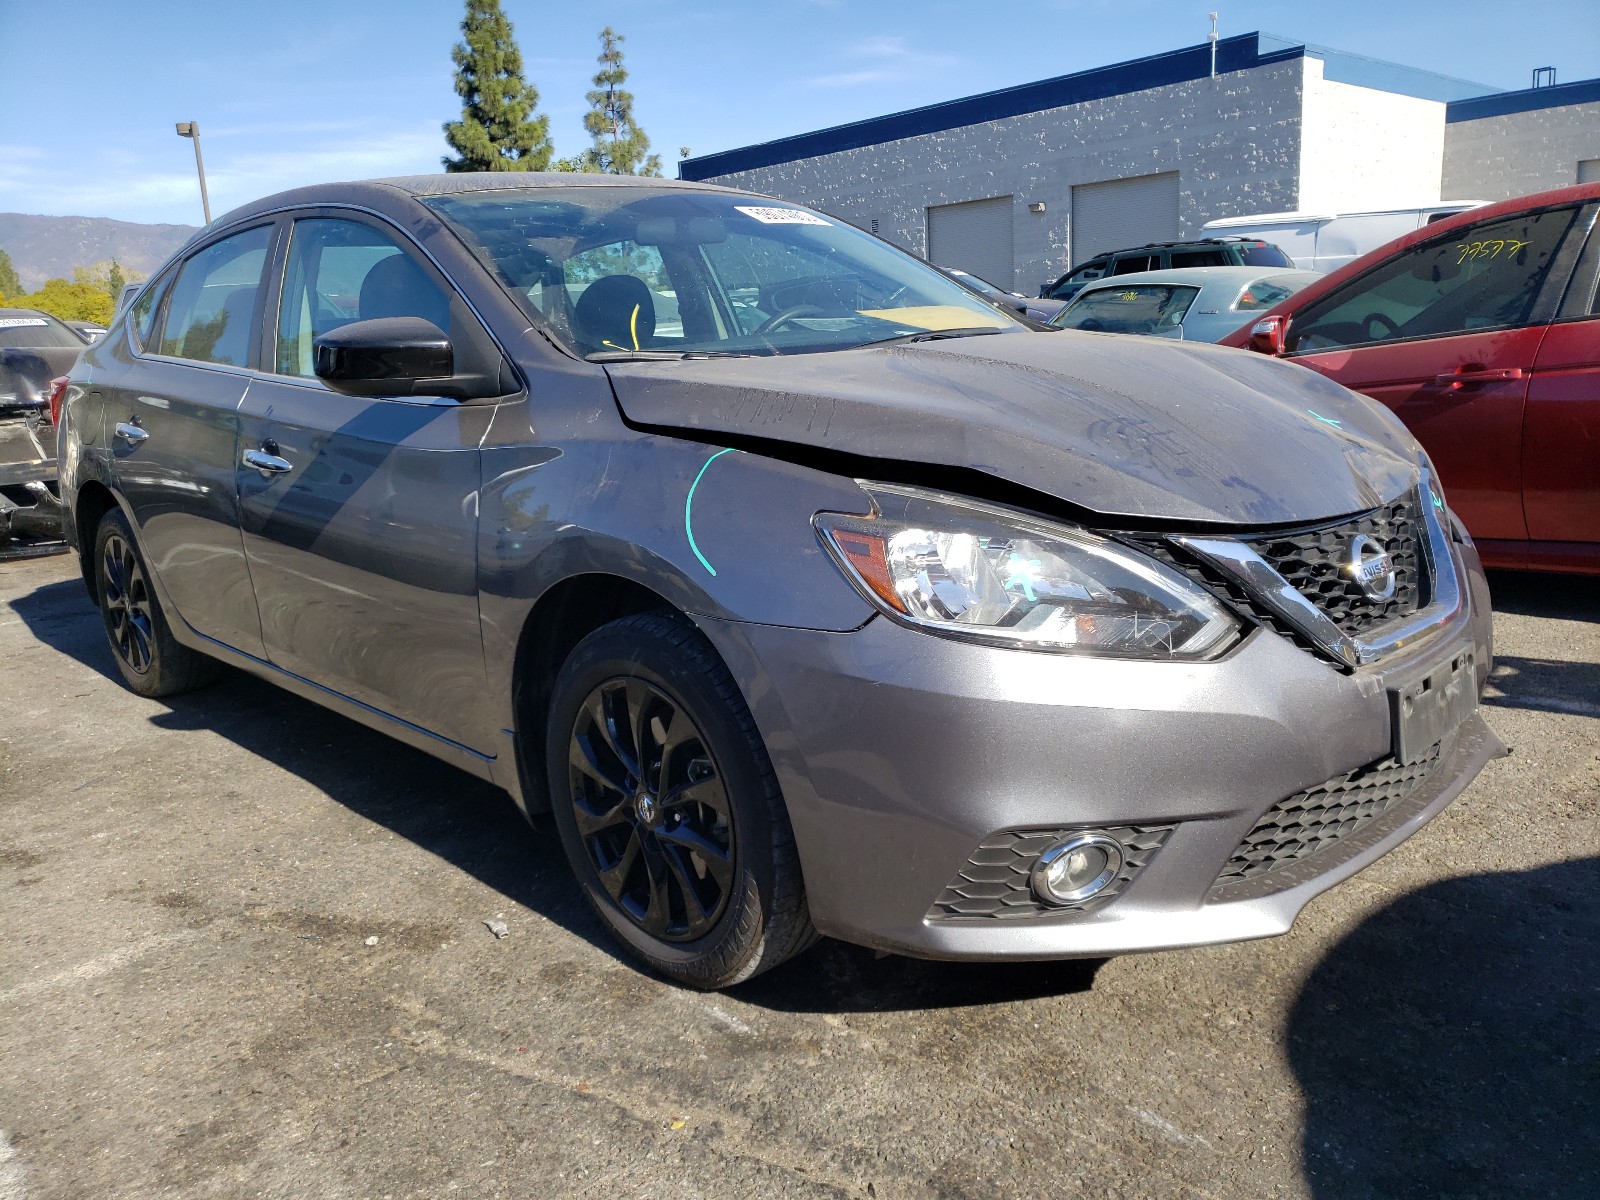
x: 1241, y: 53
x: 1584, y: 91
x: 1177, y: 66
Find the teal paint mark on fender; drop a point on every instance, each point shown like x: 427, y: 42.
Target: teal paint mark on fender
x: 688, y: 509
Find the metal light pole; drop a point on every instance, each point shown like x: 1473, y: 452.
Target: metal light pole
x: 191, y: 129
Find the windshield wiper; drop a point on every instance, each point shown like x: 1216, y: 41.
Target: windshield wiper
x: 620, y: 356
x: 934, y: 335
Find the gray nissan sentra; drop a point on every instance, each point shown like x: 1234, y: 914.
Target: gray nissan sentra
x: 808, y: 592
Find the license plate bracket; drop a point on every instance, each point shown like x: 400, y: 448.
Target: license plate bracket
x: 1430, y: 706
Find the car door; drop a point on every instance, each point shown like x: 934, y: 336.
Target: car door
x: 174, y: 416
x: 1446, y: 333
x: 1561, y: 435
x: 359, y: 514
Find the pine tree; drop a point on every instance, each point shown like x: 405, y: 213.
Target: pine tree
x: 115, y: 281
x: 10, y: 285
x: 620, y: 146
x: 498, y: 130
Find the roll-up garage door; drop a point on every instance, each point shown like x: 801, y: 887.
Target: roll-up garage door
x: 974, y: 237
x: 1120, y: 213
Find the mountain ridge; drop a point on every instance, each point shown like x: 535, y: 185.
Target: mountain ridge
x: 44, y: 247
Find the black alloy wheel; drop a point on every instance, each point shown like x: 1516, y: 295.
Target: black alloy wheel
x: 652, y: 809
x: 125, y: 600
x: 668, y: 807
x: 152, y: 662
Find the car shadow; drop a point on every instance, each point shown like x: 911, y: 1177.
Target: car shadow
x: 477, y: 828
x: 1450, y: 1044
x: 1545, y: 594
x: 836, y: 977
x: 1544, y: 684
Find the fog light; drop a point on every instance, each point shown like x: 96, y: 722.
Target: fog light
x: 1076, y: 869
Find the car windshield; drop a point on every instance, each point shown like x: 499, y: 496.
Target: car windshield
x: 36, y: 331
x: 1263, y: 254
x: 1141, y: 308
x: 617, y: 272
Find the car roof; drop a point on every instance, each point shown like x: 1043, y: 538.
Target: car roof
x: 383, y: 192
x: 26, y: 312
x: 1221, y: 240
x: 1576, y: 194
x: 1195, y: 277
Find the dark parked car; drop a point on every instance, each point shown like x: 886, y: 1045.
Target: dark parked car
x: 1164, y: 256
x: 35, y: 350
x: 841, y: 602
x: 1038, y: 310
x: 1482, y: 332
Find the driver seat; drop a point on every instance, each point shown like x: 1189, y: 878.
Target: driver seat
x: 615, y: 312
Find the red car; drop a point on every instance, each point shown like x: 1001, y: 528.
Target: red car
x: 1482, y: 333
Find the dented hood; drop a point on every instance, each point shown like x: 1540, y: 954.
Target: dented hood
x: 1124, y: 426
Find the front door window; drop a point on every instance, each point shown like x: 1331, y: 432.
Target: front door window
x: 1482, y: 278
x: 344, y: 271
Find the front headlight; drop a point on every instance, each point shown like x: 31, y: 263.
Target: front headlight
x: 969, y: 570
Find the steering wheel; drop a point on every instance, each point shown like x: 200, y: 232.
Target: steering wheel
x: 1092, y: 325
x: 791, y: 313
x: 1377, y: 318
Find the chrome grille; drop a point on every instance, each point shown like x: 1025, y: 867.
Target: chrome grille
x: 1314, y: 562
x: 1317, y: 818
x: 993, y: 883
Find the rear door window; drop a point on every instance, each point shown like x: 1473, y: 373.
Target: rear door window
x: 1199, y: 258
x: 1480, y: 278
x: 215, y: 300
x: 1138, y: 262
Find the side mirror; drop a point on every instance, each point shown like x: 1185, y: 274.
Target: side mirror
x: 392, y: 356
x: 1266, y: 336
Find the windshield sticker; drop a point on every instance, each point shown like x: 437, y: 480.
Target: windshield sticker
x: 19, y: 322
x: 780, y: 216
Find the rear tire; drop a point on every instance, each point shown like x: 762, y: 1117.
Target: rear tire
x: 668, y: 807
x: 153, y: 663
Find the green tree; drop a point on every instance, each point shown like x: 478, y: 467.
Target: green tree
x: 115, y: 281
x: 10, y: 285
x: 620, y: 146
x: 78, y: 301
x: 498, y: 129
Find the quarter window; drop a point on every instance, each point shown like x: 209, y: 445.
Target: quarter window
x: 214, y: 300
x: 344, y: 271
x: 1484, y: 277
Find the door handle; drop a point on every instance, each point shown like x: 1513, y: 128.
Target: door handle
x: 268, y: 464
x: 130, y: 432
x: 1456, y: 380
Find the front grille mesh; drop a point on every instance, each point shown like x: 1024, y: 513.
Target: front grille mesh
x: 1314, y: 563
x: 993, y: 883
x: 1317, y: 818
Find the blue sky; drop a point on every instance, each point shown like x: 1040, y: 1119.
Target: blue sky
x: 300, y: 91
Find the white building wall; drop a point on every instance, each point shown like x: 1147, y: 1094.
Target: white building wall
x: 1365, y: 149
x: 1235, y: 141
x: 1498, y: 158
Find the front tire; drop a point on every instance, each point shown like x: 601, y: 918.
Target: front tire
x: 668, y: 807
x: 153, y: 663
